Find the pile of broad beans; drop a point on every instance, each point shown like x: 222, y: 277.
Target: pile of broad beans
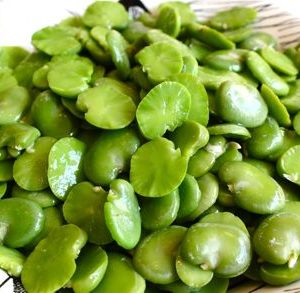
x: 159, y: 154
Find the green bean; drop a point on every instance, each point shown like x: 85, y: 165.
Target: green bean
x: 192, y: 275
x: 39, y: 78
x: 6, y: 170
x: 271, y: 229
x: 200, y: 236
x: 290, y: 139
x: 155, y: 36
x: 201, y: 163
x: 158, y: 213
x: 18, y: 136
x: 279, y: 274
x: 77, y: 211
x: 190, y: 65
x: 225, y: 197
x: 3, y: 189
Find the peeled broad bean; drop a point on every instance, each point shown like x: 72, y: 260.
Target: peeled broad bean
x: 120, y: 268
x: 14, y: 211
x: 56, y: 40
x: 13, y: 103
x: 159, y: 69
x: 35, y: 177
x: 190, y: 137
x: 169, y: 162
x: 84, y: 207
x: 122, y: 214
x: 158, y: 213
x: 265, y: 139
x: 154, y: 257
x: 58, y: 266
x: 120, y: 127
x: 272, y: 239
x: 190, y: 196
x: 107, y: 14
x: 263, y: 72
x: 51, y: 118
x: 252, y: 189
x: 240, y: 103
x: 199, y: 100
x: 173, y: 102
x: 91, y: 266
x: 233, y: 18
x: 11, y: 260
x: 209, y: 187
x: 107, y: 100
x: 229, y: 245
x: 110, y: 155
x: 18, y: 136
